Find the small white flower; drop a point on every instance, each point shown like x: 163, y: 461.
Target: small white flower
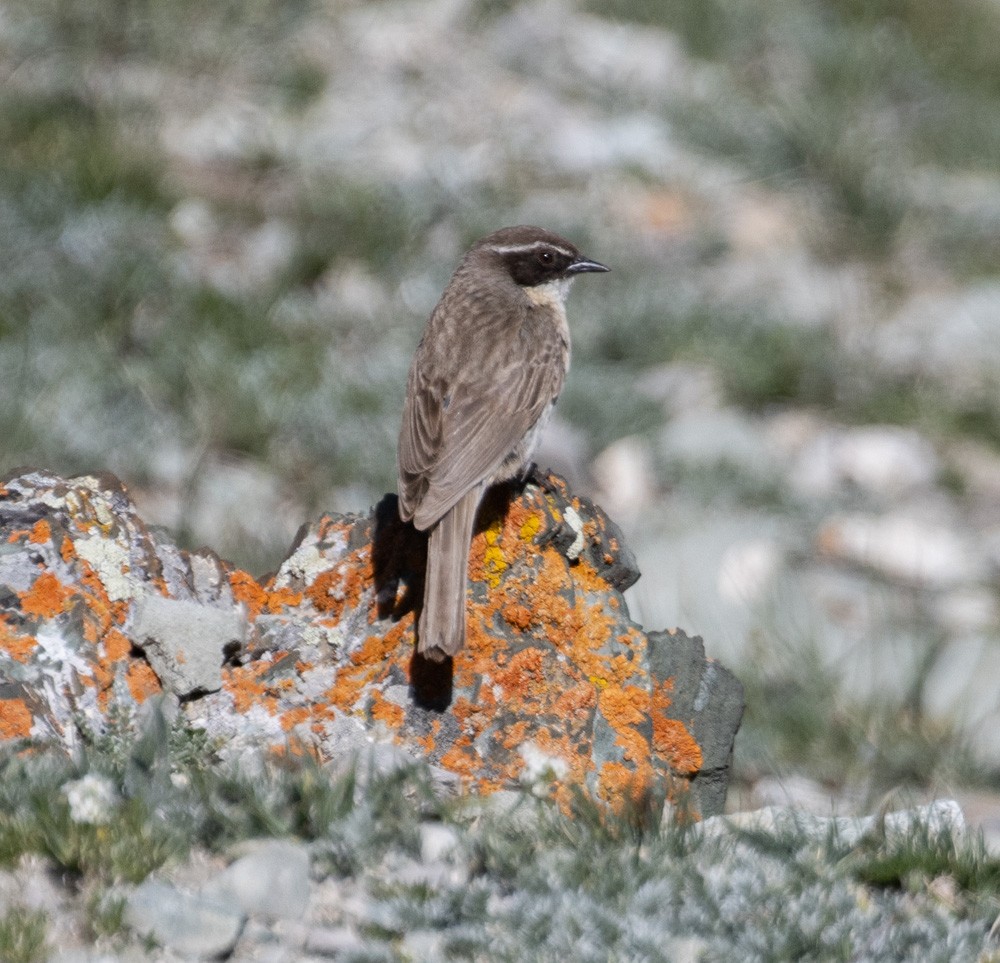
x: 90, y: 799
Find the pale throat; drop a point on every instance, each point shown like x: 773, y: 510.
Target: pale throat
x: 550, y: 294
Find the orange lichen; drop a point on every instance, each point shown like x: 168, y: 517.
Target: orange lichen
x: 278, y: 599
x: 549, y: 605
x: 388, y: 712
x: 246, y: 687
x: 472, y: 718
x: 516, y: 615
x: 461, y: 758
x: 97, y: 599
x: 369, y: 664
x: 672, y: 740
x: 523, y: 673
x: 116, y: 648
x: 624, y: 709
x: 341, y: 587
x: 613, y: 779
x: 15, y: 719
x: 141, y: 680
x: 514, y: 735
x: 376, y: 648
x: 67, y: 550
x: 346, y: 689
x: 618, y: 785
x: 293, y: 717
x: 293, y: 747
x: 40, y: 533
x: 16, y: 645
x: 576, y: 701
x: 247, y: 589
x: 46, y: 598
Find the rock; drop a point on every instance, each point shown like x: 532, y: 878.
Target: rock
x: 333, y: 941
x: 798, y: 792
x: 682, y: 387
x: 963, y: 354
x: 193, y: 925
x: 902, y: 546
x: 708, y: 439
x: 702, y: 707
x: 186, y: 643
x: 939, y: 818
x: 967, y: 610
x: 883, y: 460
x: 437, y: 842
x: 686, y: 949
x: 272, y: 881
x: 748, y: 569
x: 320, y: 656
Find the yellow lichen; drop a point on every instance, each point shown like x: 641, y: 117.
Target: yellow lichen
x: 494, y: 563
x: 530, y: 527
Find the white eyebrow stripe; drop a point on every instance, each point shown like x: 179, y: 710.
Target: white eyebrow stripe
x: 525, y: 248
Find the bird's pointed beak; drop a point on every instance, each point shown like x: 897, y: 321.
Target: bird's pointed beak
x: 583, y: 266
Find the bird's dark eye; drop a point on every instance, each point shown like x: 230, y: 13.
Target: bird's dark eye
x: 546, y: 258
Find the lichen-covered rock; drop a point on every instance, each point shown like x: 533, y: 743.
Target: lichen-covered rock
x: 556, y: 685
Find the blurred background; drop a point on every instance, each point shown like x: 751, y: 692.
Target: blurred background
x: 223, y: 224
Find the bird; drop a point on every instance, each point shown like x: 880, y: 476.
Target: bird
x: 482, y: 384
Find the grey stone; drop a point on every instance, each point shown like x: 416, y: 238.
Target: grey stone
x: 904, y: 544
x: 186, y: 642
x: 272, y: 881
x: 708, y: 699
x: 83, y: 956
x: 424, y: 945
x: 332, y: 940
x: 884, y: 460
x: 687, y: 949
x: 437, y: 841
x: 192, y: 924
x: 939, y: 818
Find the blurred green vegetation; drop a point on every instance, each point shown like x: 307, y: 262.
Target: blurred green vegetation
x: 520, y: 874
x: 110, y: 349
x: 844, y: 93
x: 23, y: 934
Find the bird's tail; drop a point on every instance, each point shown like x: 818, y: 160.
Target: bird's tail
x: 442, y: 621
